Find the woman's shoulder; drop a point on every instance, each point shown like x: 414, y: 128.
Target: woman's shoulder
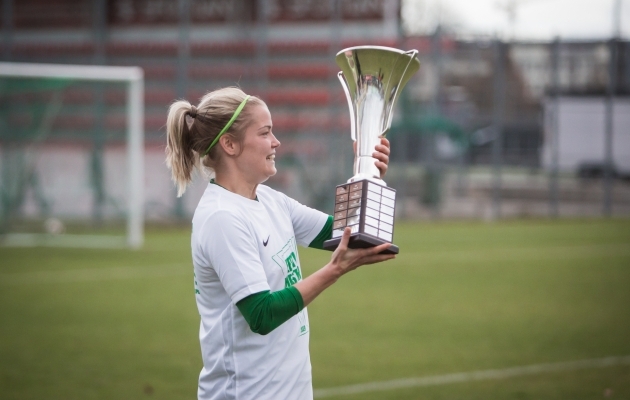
x: 218, y: 204
x: 209, y: 221
x: 267, y: 192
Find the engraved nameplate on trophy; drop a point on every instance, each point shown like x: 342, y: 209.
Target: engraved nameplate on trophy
x: 372, y: 78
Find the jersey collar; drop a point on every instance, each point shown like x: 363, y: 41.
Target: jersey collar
x: 214, y: 183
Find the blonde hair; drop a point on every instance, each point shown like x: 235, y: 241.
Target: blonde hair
x: 186, y: 144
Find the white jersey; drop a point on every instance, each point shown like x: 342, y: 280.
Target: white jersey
x: 240, y: 247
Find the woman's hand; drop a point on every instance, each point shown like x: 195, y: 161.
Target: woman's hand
x: 382, y: 155
x: 344, y: 259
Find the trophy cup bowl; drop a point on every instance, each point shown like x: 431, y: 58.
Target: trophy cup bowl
x: 372, y: 78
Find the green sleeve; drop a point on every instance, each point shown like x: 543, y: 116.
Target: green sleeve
x: 265, y: 311
x: 324, y: 234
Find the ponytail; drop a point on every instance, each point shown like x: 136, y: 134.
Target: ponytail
x: 191, y: 146
x: 180, y: 157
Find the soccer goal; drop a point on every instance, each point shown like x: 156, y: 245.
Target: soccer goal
x: 71, y: 155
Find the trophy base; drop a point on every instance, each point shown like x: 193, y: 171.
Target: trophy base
x: 361, y: 241
x: 367, y: 208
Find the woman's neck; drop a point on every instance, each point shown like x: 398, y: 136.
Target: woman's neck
x: 235, y: 184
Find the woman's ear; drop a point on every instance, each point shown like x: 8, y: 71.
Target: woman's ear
x: 230, y: 146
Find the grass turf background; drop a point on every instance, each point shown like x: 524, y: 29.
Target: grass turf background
x: 119, y: 324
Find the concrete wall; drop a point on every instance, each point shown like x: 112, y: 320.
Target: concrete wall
x: 581, y: 124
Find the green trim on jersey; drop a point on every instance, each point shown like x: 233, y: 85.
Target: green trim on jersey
x: 265, y: 311
x: 324, y: 234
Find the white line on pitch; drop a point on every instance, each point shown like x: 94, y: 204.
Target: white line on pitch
x: 64, y: 240
x: 93, y: 274
x: 472, y: 376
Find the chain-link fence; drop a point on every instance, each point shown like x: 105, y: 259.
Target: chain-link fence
x: 486, y: 129
x: 495, y: 129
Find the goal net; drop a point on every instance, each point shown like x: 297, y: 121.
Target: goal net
x: 71, y: 155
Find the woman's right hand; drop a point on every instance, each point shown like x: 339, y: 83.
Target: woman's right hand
x: 344, y: 259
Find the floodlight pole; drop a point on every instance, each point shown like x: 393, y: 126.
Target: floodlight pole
x: 608, y: 133
x: 97, y: 173
x: 554, y: 128
x: 497, y: 122
x: 183, y: 62
x: 428, y: 141
x: 610, y: 104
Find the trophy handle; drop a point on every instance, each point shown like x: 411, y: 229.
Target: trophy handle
x: 412, y: 54
x: 346, y: 90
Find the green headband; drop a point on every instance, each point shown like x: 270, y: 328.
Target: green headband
x: 230, y: 122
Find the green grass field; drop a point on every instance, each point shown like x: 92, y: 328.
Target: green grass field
x: 118, y: 324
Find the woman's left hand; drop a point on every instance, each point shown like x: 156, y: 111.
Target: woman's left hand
x: 382, y: 155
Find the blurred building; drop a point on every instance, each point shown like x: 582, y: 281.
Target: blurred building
x: 473, y: 103
x: 282, y: 51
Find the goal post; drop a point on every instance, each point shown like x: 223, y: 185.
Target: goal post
x: 133, y: 79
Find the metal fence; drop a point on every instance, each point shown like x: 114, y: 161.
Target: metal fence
x: 487, y: 128
x: 515, y: 130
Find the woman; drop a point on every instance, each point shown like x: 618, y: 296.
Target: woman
x: 249, y: 289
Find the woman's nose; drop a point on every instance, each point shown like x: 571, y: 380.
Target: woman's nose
x: 275, y: 143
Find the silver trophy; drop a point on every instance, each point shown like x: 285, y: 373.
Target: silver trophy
x: 372, y: 78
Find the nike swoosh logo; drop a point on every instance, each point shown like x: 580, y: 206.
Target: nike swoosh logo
x: 266, y: 241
